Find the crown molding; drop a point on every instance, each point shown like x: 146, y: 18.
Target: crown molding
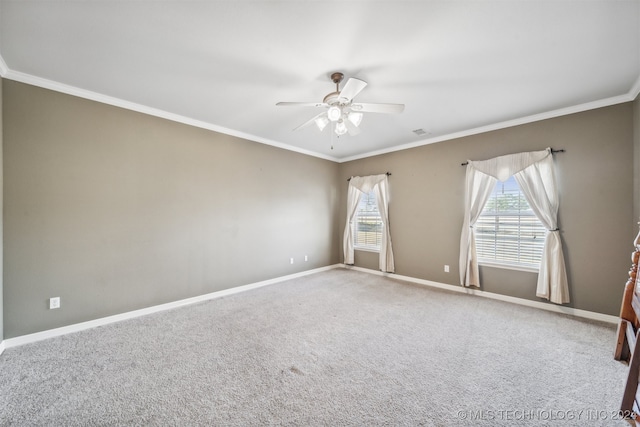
x: 628, y: 97
x: 635, y: 90
x: 117, y: 102
x: 4, y: 70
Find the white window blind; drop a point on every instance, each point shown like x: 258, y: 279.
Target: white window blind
x: 508, y: 232
x: 368, y: 223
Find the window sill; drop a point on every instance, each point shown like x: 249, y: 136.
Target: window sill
x: 530, y: 269
x: 365, y: 249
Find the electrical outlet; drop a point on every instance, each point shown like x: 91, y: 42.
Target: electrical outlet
x: 291, y: 260
x: 54, y: 303
x: 446, y: 268
x: 306, y: 258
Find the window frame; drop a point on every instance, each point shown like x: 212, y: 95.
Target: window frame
x: 363, y: 247
x: 519, y: 213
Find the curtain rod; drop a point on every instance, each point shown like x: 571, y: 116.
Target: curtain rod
x: 552, y: 150
x: 386, y: 173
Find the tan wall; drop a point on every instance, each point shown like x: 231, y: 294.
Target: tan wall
x: 114, y: 210
x: 595, y: 177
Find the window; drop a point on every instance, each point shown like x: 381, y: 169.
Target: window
x: 508, y: 233
x: 368, y: 223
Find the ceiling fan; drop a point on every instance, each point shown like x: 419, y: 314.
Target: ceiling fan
x: 341, y: 110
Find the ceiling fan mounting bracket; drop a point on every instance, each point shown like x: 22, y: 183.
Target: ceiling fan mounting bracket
x: 337, y: 77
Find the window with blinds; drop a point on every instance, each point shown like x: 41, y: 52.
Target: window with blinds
x: 508, y: 232
x: 368, y: 223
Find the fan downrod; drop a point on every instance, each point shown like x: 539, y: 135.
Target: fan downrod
x: 332, y: 98
x: 337, y: 78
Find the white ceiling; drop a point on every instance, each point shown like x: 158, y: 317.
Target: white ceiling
x: 460, y: 67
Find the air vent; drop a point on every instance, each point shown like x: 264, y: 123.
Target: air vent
x: 420, y: 132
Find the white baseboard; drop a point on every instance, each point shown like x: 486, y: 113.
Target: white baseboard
x: 529, y: 303
x: 38, y: 336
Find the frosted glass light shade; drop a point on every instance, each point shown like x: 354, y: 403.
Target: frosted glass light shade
x: 334, y: 113
x: 321, y: 122
x: 341, y: 128
x: 355, y: 118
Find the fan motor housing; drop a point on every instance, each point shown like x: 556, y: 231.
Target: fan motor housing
x: 332, y: 98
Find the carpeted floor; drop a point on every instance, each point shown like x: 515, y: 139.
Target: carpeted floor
x: 335, y: 348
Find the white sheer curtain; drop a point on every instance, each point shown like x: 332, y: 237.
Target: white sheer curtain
x: 386, y: 252
x: 353, y: 198
x: 538, y: 184
x: 535, y: 175
x: 357, y: 186
x: 478, y: 189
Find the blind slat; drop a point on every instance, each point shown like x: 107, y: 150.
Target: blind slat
x: 507, y: 229
x: 368, y: 222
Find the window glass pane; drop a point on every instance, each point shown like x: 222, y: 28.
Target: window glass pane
x: 508, y: 231
x: 368, y: 223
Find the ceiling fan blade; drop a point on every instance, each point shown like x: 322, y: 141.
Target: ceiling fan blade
x: 309, y: 122
x: 302, y: 104
x: 351, y: 89
x: 351, y: 128
x: 378, y: 108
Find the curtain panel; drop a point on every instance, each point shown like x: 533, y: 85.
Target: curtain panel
x: 478, y: 190
x: 359, y: 185
x: 535, y: 175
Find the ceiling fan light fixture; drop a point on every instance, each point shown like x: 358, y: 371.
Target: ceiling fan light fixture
x: 334, y: 113
x: 321, y: 122
x: 340, y: 112
x: 341, y: 128
x: 355, y: 118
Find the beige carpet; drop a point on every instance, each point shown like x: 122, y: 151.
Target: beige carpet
x: 334, y: 348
